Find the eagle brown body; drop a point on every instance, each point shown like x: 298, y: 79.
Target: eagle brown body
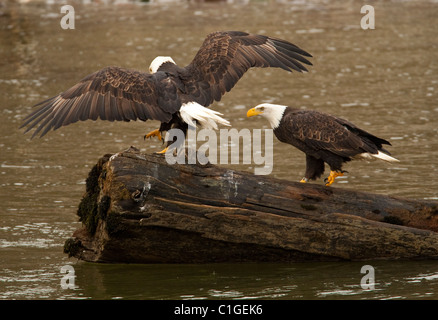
x: 323, y: 138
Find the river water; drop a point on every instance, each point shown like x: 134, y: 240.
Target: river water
x: 385, y: 80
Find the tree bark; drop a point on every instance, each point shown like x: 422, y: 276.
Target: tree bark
x: 139, y: 209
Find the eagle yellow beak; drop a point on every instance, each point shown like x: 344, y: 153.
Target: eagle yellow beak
x: 253, y: 112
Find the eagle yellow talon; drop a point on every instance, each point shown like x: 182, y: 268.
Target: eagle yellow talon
x: 163, y: 151
x: 154, y: 133
x: 304, y: 180
x: 331, y: 178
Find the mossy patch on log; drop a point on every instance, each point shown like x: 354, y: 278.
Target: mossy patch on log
x: 72, y: 247
x: 87, y: 212
x: 91, y: 208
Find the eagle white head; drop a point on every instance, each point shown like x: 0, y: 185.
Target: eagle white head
x: 272, y: 112
x: 158, y: 61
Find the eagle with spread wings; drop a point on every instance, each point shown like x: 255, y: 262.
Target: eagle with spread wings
x: 176, y: 96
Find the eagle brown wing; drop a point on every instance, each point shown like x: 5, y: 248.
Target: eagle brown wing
x: 225, y: 56
x: 312, y: 132
x: 365, y: 136
x: 112, y: 93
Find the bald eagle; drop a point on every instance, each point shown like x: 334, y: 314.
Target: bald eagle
x: 175, y: 96
x: 323, y: 138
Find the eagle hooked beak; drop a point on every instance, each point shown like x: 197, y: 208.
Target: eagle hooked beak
x: 253, y: 112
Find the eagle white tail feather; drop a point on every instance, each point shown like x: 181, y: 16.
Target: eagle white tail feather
x: 383, y: 156
x: 380, y: 155
x: 207, y: 118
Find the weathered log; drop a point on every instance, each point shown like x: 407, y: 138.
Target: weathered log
x: 139, y: 209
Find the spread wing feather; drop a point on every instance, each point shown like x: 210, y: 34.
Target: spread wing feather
x: 113, y: 94
x: 225, y: 56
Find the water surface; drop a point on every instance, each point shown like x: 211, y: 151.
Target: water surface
x: 384, y: 80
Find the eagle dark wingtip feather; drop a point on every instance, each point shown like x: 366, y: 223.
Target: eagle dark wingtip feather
x: 290, y: 47
x: 35, y: 117
x: 41, y: 126
x: 293, y: 55
x: 35, y: 113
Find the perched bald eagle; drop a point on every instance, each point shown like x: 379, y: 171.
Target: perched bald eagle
x: 323, y: 138
x: 175, y: 96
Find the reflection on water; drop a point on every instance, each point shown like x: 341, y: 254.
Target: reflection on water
x: 393, y: 280
x: 384, y: 80
x: 259, y: 281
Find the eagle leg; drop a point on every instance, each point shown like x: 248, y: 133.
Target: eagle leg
x: 163, y: 151
x: 331, y: 178
x: 304, y: 180
x: 154, y: 133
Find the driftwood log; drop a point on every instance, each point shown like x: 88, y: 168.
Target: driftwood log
x: 139, y: 209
